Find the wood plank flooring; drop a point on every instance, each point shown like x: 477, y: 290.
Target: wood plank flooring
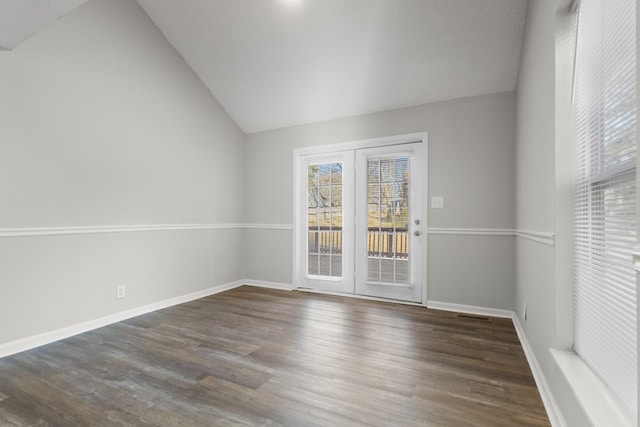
x: 254, y: 356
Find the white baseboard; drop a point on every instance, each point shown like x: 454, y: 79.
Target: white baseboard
x: 553, y: 412
x: 469, y: 309
x: 28, y: 343
x: 265, y: 284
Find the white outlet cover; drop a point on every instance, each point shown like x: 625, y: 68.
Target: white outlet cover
x: 437, y: 202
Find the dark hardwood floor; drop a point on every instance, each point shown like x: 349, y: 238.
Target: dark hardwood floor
x: 253, y: 356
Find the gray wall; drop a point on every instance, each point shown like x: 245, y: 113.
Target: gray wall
x: 544, y: 190
x: 103, y: 124
x: 471, y: 152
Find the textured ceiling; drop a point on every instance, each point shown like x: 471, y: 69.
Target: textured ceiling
x: 276, y: 63
x: 20, y: 19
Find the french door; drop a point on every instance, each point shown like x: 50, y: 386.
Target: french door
x: 327, y: 210
x: 360, y: 214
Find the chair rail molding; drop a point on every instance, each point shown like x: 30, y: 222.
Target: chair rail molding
x: 256, y: 226
x: 537, y: 236
x: 473, y: 231
x: 102, y: 229
x: 544, y: 237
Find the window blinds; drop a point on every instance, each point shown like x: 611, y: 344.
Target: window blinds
x: 605, y: 326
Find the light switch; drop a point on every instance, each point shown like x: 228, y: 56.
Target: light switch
x: 437, y: 202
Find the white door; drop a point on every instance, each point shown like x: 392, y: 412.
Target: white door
x: 359, y: 222
x: 389, y: 241
x: 326, y: 208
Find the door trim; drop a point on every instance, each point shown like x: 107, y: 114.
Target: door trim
x: 299, y: 155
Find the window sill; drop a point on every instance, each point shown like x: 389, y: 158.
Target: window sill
x: 600, y: 405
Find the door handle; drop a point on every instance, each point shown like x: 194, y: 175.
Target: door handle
x: 417, y: 233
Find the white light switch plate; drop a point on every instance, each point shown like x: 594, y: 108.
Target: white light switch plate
x: 437, y: 202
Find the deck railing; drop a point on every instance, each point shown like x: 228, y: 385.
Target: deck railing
x: 385, y: 242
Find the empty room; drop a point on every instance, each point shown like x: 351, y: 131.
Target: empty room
x: 318, y: 213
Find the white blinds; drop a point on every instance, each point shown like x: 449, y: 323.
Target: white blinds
x: 605, y: 333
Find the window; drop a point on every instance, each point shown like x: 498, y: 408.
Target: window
x: 605, y: 329
x: 324, y: 219
x: 388, y: 219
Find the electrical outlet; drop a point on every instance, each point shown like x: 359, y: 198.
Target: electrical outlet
x: 121, y: 292
x: 437, y: 202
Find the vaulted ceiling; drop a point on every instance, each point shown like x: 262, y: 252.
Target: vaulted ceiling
x: 20, y: 19
x: 277, y: 63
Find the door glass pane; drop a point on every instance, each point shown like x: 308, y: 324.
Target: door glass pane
x: 324, y: 225
x: 387, y: 220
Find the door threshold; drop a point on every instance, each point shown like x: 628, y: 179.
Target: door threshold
x: 366, y: 297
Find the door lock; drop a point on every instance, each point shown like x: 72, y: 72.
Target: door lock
x: 417, y: 233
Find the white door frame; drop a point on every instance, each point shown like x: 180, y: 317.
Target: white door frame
x: 299, y: 221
